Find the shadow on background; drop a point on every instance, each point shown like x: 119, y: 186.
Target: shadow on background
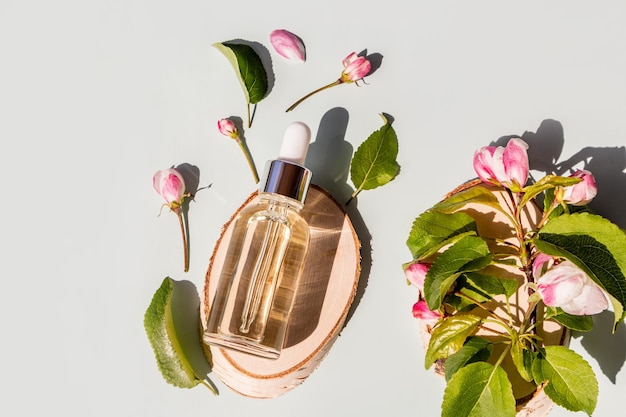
x: 191, y: 176
x: 329, y: 159
x: 610, y: 356
x: 186, y: 317
x: 607, y: 164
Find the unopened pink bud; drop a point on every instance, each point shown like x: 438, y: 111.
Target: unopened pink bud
x: 421, y: 311
x: 416, y: 273
x: 170, y: 185
x: 583, y: 192
x: 355, y: 67
x: 228, y: 128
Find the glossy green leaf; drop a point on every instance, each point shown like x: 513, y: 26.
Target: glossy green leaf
x: 249, y: 68
x: 449, y: 336
x: 374, y: 162
x: 572, y: 384
x: 595, y: 245
x: 432, y: 230
x: 577, y: 323
x: 250, y: 71
x: 171, y: 355
x: 546, y: 183
x: 479, y: 390
x: 492, y: 285
x: 469, y: 254
x: 522, y: 358
x: 478, y: 288
x: 475, y: 349
x: 479, y: 194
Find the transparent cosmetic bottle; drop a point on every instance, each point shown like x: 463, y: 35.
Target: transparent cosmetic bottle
x: 259, y: 277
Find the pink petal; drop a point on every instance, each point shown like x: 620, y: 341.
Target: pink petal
x: 583, y: 192
x: 483, y: 159
x: 421, y: 311
x: 349, y: 59
x: 416, y: 273
x: 541, y: 264
x: 570, y: 288
x: 170, y: 185
x: 590, y: 301
x: 288, y: 44
x: 515, y: 161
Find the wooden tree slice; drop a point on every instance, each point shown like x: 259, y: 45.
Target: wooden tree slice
x: 324, y: 296
x: 532, y: 401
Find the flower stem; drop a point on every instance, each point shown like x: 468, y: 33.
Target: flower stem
x: 334, y: 83
x: 181, y: 221
x: 249, y: 159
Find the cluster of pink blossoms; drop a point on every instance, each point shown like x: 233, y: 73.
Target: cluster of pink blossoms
x: 560, y: 283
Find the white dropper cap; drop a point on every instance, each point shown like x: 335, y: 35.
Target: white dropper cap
x: 295, y: 143
x: 286, y: 175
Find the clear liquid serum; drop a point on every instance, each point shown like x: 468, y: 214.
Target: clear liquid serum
x: 259, y: 277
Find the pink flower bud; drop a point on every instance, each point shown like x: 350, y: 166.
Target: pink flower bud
x: 355, y: 68
x: 170, y: 185
x: 421, y: 311
x: 288, y: 44
x: 228, y: 128
x: 568, y: 287
x: 507, y: 166
x: 416, y: 273
x: 583, y: 192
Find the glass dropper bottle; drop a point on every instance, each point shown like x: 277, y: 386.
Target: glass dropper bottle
x: 259, y: 277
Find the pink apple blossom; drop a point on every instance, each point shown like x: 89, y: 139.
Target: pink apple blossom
x: 227, y: 128
x: 170, y: 185
x: 507, y: 166
x: 288, y: 44
x: 583, y: 192
x: 568, y: 287
x: 416, y: 273
x: 421, y: 311
x: 355, y: 68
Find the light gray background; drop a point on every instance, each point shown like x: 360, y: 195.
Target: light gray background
x: 95, y: 96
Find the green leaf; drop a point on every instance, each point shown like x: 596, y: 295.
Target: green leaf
x: 169, y: 348
x: 480, y: 194
x: 478, y: 390
x: 572, y: 383
x: 479, y: 288
x: 449, y: 336
x: 249, y: 69
x: 469, y: 254
x: 546, y: 183
x: 522, y: 358
x: 374, y: 162
x: 432, y: 230
x: 595, y: 245
x: 475, y: 349
x: 491, y: 285
x: 578, y: 323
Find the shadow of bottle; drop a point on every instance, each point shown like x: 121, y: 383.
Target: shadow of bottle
x: 329, y: 158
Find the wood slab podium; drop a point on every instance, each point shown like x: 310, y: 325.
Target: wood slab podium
x: 323, y: 299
